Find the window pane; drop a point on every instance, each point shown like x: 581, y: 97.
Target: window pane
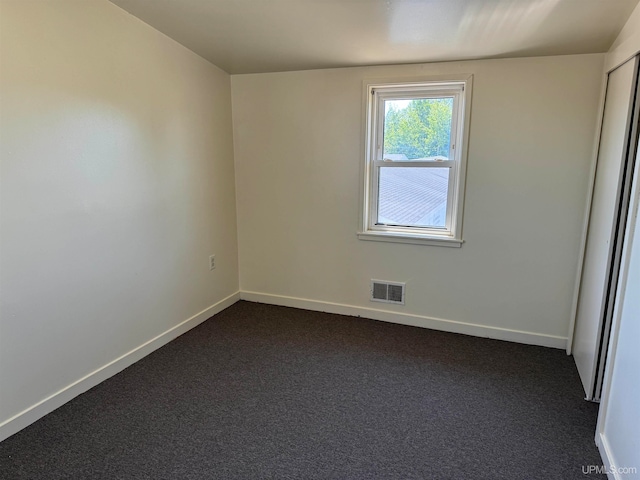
x: 413, y: 196
x: 417, y: 129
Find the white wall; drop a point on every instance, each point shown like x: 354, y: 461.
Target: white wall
x: 627, y: 44
x: 618, y: 432
x: 117, y: 184
x: 298, y: 153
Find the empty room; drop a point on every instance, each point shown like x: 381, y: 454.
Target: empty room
x: 319, y: 239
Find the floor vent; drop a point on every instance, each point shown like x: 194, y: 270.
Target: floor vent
x: 387, y: 292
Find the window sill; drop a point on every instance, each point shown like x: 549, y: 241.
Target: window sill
x: 412, y: 239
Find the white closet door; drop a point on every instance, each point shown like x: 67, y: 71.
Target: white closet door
x: 612, y: 156
x: 618, y: 421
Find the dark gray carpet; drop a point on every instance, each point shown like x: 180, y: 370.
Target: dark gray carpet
x: 277, y: 393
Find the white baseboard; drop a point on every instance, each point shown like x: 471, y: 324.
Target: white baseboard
x: 517, y: 336
x: 47, y: 405
x: 608, y: 460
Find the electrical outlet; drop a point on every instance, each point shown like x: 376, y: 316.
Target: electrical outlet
x: 212, y: 262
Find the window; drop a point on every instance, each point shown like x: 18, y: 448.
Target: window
x: 415, y: 160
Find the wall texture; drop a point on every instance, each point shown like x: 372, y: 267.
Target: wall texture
x: 298, y: 153
x: 627, y: 44
x: 117, y: 184
x: 619, y: 424
x: 618, y: 434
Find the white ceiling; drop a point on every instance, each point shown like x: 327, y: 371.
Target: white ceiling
x: 246, y: 36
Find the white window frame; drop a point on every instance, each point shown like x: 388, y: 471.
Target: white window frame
x: 376, y: 92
